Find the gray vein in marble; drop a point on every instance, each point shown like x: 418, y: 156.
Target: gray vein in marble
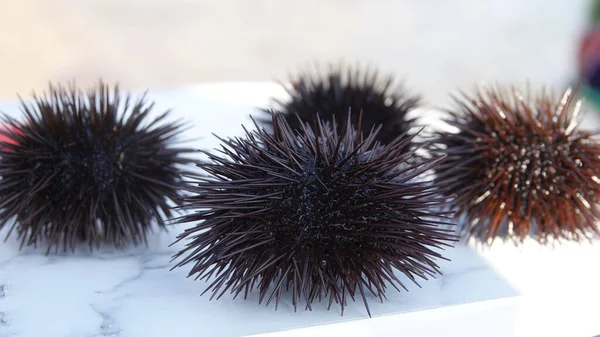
x: 5, y: 262
x: 4, y: 321
x: 122, y: 283
x: 108, y: 327
x: 448, y: 276
x: 144, y: 260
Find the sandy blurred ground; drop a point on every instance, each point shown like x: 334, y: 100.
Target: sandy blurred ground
x: 436, y: 46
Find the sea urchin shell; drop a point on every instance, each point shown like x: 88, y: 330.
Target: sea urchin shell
x: 77, y: 170
x: 519, y: 166
x: 321, y: 213
x: 342, y: 89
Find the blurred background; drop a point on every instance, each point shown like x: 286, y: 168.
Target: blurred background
x: 435, y: 46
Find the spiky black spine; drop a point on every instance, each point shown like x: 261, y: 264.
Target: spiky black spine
x: 319, y: 213
x: 520, y: 166
x: 341, y: 89
x: 88, y: 167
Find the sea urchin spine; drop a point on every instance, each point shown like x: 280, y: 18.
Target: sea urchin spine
x: 317, y: 212
x: 88, y: 167
x: 519, y: 166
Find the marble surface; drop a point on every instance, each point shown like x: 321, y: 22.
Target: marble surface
x: 499, y: 291
x: 133, y: 293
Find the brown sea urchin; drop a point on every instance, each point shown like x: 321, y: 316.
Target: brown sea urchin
x: 342, y: 88
x: 317, y: 214
x: 88, y: 167
x: 520, y: 166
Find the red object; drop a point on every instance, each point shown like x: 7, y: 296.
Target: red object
x: 589, y: 50
x: 6, y: 139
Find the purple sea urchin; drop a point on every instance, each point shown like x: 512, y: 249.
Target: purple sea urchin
x: 519, y: 166
x: 76, y: 170
x: 342, y: 89
x: 320, y: 213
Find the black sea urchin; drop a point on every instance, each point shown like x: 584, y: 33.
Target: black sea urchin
x: 519, y: 166
x: 321, y: 213
x: 76, y: 170
x: 342, y: 89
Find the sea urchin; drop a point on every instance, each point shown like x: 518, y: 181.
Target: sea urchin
x: 78, y: 170
x: 343, y: 89
x: 519, y: 166
x: 320, y: 213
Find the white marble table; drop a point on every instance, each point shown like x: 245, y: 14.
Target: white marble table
x: 499, y: 291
